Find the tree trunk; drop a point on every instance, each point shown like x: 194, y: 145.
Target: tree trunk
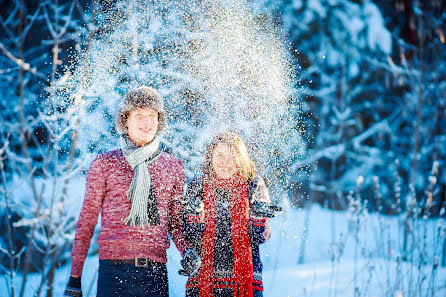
x: 8, y: 222
x: 23, y: 140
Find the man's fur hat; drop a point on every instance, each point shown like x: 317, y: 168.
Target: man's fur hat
x: 140, y: 98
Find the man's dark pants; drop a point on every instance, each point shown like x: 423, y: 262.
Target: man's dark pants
x: 127, y: 280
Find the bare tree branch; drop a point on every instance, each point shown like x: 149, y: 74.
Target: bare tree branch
x: 22, y: 64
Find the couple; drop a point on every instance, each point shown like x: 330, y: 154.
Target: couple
x: 139, y: 189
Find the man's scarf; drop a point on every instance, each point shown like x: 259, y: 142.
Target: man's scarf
x: 144, y: 210
x: 239, y: 209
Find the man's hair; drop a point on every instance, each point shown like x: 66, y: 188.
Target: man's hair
x: 141, y: 97
x: 237, y: 146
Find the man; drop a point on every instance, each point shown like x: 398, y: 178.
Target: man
x: 139, y: 189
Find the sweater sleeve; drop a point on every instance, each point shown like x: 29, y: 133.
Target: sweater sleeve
x: 94, y: 194
x: 176, y: 212
x: 259, y: 229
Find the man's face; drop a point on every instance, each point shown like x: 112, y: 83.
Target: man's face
x: 142, y: 125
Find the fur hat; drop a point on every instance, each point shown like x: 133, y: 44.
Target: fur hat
x: 141, y: 97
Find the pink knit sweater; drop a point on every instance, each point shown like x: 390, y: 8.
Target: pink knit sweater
x: 108, y: 179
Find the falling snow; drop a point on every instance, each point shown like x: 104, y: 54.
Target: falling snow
x: 325, y: 104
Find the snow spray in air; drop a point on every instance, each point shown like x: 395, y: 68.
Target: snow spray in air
x: 245, y: 76
x: 220, y: 64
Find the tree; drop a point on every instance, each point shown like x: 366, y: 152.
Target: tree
x: 343, y: 47
x: 34, y: 182
x: 418, y: 66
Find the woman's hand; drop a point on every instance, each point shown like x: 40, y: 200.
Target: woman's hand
x: 264, y: 209
x: 191, y: 262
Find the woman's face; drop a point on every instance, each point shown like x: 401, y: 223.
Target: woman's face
x: 223, y: 161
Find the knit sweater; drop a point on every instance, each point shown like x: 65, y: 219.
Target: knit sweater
x: 108, y: 179
x: 259, y: 232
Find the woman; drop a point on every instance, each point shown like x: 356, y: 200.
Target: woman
x: 223, y: 223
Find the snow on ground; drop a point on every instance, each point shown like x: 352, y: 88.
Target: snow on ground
x: 318, y: 276
x: 377, y: 271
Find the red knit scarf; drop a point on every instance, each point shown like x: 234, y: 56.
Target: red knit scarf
x: 239, y: 209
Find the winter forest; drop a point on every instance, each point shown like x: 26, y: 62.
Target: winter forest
x: 342, y: 104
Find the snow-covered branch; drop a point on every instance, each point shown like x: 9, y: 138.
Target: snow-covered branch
x: 22, y: 64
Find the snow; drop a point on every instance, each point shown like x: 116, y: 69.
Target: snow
x: 318, y: 7
x: 285, y: 277
x: 313, y: 252
x: 329, y: 267
x: 378, y: 35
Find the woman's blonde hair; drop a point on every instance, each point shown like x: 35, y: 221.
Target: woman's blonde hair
x: 242, y: 158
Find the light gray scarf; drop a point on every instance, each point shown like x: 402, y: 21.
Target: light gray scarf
x: 144, y: 210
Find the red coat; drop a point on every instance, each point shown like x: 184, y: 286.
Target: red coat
x: 108, y: 179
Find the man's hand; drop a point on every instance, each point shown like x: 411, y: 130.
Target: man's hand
x: 73, y: 288
x: 264, y: 209
x: 190, y: 262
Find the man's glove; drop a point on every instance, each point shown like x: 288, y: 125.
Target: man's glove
x: 264, y: 209
x: 190, y: 262
x: 74, y: 287
x: 193, y: 206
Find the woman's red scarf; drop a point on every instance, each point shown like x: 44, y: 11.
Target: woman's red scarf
x: 239, y: 209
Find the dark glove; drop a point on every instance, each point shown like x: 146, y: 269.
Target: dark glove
x: 74, y: 287
x: 193, y: 206
x: 264, y: 209
x: 190, y: 262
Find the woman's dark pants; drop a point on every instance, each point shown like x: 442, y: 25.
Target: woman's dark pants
x: 126, y: 280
